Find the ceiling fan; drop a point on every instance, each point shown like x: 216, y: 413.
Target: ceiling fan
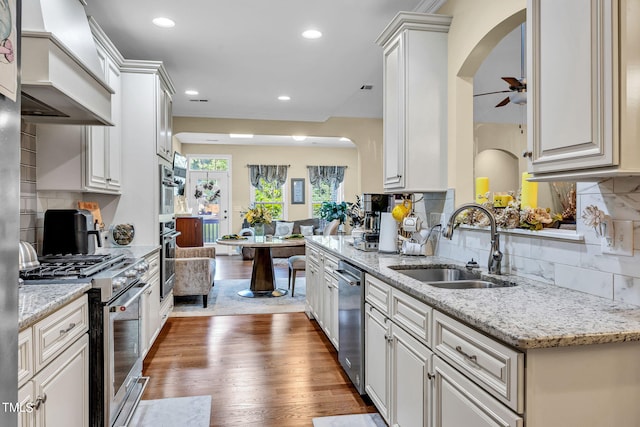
x: 517, y: 87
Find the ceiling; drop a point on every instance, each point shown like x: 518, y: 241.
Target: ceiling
x: 240, y: 55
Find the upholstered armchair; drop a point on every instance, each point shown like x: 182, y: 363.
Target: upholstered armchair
x: 195, y: 269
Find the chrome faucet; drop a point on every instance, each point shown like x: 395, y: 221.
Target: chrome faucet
x: 495, y: 256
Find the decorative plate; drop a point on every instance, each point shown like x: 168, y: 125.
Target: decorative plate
x: 122, y: 234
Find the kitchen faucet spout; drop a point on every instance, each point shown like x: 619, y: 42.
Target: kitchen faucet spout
x: 495, y: 256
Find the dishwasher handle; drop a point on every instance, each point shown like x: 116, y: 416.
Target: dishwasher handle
x: 347, y: 277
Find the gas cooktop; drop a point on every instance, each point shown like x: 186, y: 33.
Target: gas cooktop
x: 70, y: 266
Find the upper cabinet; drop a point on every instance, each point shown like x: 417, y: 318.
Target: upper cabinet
x: 415, y: 102
x: 164, y: 143
x: 583, y: 104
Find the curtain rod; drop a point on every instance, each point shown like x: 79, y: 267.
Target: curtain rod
x: 287, y: 166
x: 336, y: 166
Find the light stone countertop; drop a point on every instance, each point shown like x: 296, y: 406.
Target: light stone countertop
x: 36, y: 302
x: 529, y: 315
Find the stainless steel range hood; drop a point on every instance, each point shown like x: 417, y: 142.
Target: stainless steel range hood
x: 61, y: 74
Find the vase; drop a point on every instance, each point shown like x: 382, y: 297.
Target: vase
x: 258, y: 230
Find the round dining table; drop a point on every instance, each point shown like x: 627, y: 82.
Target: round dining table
x: 263, y: 280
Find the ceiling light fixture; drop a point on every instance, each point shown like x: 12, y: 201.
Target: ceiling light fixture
x: 190, y: 92
x: 240, y: 135
x: 164, y: 22
x: 284, y: 98
x: 312, y: 34
x: 298, y: 138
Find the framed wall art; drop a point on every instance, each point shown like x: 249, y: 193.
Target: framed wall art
x: 297, y: 191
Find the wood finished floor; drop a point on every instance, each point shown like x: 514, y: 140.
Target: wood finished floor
x: 260, y: 370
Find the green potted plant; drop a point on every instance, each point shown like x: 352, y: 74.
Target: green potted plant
x: 331, y: 211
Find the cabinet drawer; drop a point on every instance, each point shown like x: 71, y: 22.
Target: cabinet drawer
x: 312, y: 254
x: 154, y: 266
x: 330, y: 263
x: 412, y: 315
x: 377, y: 293
x: 57, y: 331
x: 25, y: 356
x: 496, y: 368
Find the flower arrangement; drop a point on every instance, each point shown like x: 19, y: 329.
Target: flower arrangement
x: 332, y: 210
x: 512, y: 216
x: 258, y: 215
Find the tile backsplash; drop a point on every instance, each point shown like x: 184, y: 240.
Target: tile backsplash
x: 578, y: 265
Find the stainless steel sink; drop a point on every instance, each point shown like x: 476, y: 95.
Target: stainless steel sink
x: 468, y: 284
x: 450, y: 278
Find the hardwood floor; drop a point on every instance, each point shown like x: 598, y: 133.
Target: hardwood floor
x: 260, y: 370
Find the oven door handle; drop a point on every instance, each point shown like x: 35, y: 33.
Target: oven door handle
x: 123, y: 307
x: 171, y: 235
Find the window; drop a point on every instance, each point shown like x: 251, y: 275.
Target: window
x: 322, y: 192
x: 272, y: 197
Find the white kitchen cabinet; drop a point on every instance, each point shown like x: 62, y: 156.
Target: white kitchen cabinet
x: 415, y: 102
x: 164, y: 143
x: 154, y: 314
x: 377, y: 357
x: 459, y: 402
x: 141, y: 81
x: 57, y: 391
x: 322, y: 291
x: 312, y: 276
x: 582, y: 106
x: 397, y: 359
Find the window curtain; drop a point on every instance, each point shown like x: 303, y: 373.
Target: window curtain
x: 269, y: 173
x: 331, y: 175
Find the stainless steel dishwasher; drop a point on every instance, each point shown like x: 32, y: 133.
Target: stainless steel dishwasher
x: 351, y: 322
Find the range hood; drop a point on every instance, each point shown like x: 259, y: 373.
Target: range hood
x: 61, y: 74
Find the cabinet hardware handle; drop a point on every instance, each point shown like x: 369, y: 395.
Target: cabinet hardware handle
x: 472, y: 358
x: 388, y: 338
x: 64, y: 331
x: 40, y: 400
x: 527, y: 154
x: 430, y: 375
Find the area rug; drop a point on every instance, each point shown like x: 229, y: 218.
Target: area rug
x: 358, y: 420
x: 194, y: 411
x: 224, y: 300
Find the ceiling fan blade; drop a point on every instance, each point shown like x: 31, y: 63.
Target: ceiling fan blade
x: 513, y: 82
x: 503, y: 102
x: 491, y: 93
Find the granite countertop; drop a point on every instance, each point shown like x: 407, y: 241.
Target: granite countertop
x: 36, y: 302
x: 529, y: 315
x: 129, y: 251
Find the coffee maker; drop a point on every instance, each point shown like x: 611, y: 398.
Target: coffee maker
x: 373, y: 205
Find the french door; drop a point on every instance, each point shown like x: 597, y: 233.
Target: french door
x: 212, y: 204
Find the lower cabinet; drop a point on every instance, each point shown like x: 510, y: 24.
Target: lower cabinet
x: 55, y: 392
x: 397, y: 371
x: 150, y: 314
x: 459, y: 402
x: 322, y: 292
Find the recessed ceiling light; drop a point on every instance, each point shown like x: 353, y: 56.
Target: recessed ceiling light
x: 240, y: 135
x: 164, y: 22
x: 284, y: 98
x: 312, y: 34
x: 298, y: 137
x: 190, y: 92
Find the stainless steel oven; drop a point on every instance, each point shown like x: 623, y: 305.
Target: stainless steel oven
x: 168, y: 236
x: 167, y: 193
x: 123, y: 331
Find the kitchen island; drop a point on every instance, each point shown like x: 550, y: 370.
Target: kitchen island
x: 529, y: 354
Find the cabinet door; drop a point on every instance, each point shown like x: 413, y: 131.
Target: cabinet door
x: 152, y: 321
x: 311, y: 274
x: 114, y: 140
x: 326, y: 305
x: 335, y: 337
x: 572, y: 40
x: 410, y: 383
x: 191, y: 229
x: 163, y: 141
x: 458, y: 402
x: 394, y: 138
x: 26, y: 416
x: 95, y: 161
x: 64, y: 387
x: 377, y: 354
